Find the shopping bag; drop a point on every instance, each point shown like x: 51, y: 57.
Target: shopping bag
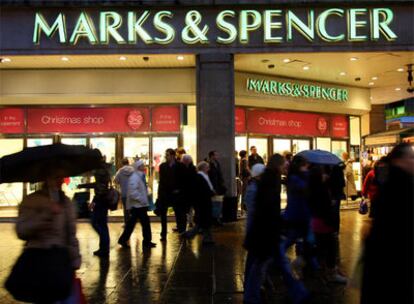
x: 363, y: 207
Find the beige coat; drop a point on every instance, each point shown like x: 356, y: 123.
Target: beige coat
x: 350, y: 188
x: 43, y: 223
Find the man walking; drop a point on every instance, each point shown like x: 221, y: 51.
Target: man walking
x: 137, y: 204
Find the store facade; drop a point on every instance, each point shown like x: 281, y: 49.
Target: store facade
x: 206, y: 106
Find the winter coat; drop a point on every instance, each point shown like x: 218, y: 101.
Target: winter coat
x: 189, y: 194
x: 121, y: 178
x: 203, y: 207
x: 137, y: 191
x: 389, y: 247
x: 370, y: 187
x: 297, y: 209
x: 350, y: 188
x: 255, y: 159
x: 262, y: 240
x: 250, y: 201
x: 40, y: 227
x: 216, y: 177
x: 170, y: 189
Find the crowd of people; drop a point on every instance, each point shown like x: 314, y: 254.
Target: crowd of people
x: 310, y: 221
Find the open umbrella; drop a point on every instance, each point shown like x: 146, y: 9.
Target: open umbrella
x: 320, y: 157
x: 38, y: 163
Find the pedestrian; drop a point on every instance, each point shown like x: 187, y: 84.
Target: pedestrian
x: 179, y: 153
x: 203, y: 208
x: 189, y: 193
x: 216, y: 177
x: 99, y: 207
x: 47, y: 224
x: 336, y: 184
x: 121, y: 178
x: 389, y: 246
x: 323, y: 223
x: 368, y: 166
x: 170, y: 193
x: 263, y: 237
x: 254, y: 158
x: 244, y: 177
x: 137, y: 203
x: 350, y: 188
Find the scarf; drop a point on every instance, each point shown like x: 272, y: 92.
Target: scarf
x: 205, y: 176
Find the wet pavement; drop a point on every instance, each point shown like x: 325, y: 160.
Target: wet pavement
x: 184, y: 272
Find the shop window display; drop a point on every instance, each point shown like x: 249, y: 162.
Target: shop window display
x: 10, y: 194
x: 281, y: 145
x: 299, y: 145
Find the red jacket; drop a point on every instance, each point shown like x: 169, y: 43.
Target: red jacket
x: 370, y: 188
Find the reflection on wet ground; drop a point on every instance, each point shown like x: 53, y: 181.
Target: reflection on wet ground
x: 183, y: 272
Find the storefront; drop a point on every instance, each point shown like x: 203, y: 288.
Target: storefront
x: 133, y: 81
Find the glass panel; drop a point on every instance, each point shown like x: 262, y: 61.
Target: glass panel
x: 107, y: 147
x: 281, y: 145
x: 159, y: 145
x: 261, y: 145
x: 299, y: 145
x: 70, y: 184
x: 35, y: 142
x: 240, y: 143
x: 323, y: 143
x: 190, y: 133
x: 137, y: 147
x: 10, y: 194
x: 339, y: 147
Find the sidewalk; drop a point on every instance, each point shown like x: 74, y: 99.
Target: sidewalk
x: 181, y: 272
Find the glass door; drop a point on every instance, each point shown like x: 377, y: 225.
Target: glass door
x: 36, y: 142
x: 240, y: 143
x: 159, y: 145
x: 299, y: 145
x: 137, y: 148
x: 323, y: 143
x: 261, y: 145
x: 107, y: 147
x: 10, y: 194
x: 70, y: 183
x: 339, y: 147
x: 281, y: 145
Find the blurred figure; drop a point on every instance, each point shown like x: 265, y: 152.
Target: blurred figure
x: 323, y: 223
x: 121, y: 178
x: 254, y: 158
x: 47, y: 222
x: 216, y: 177
x: 189, y: 194
x: 137, y: 204
x: 389, y: 246
x: 350, y: 188
x: 288, y: 160
x: 170, y: 191
x: 262, y: 239
x: 336, y: 184
x: 368, y: 166
x: 179, y: 153
x: 99, y: 207
x: 244, y: 176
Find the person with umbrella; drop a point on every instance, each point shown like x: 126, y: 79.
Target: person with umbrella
x: 99, y: 207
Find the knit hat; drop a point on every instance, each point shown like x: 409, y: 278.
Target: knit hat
x: 138, y: 164
x: 257, y: 170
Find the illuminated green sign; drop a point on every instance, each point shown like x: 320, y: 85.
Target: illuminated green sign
x: 299, y: 90
x: 277, y: 26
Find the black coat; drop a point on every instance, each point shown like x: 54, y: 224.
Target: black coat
x: 263, y: 238
x: 388, y: 265
x: 171, y: 184
x: 255, y: 159
x: 189, y: 185
x: 203, y: 206
x: 216, y: 177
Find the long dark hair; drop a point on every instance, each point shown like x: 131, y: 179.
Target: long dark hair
x: 275, y: 162
x: 297, y: 162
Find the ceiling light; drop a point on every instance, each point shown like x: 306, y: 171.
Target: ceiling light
x: 180, y: 58
x: 64, y: 59
x: 374, y: 78
x: 400, y: 70
x: 342, y: 73
x: 306, y: 68
x: 5, y: 59
x: 353, y: 59
x: 122, y: 58
x: 371, y: 83
x: 286, y: 60
x: 398, y: 89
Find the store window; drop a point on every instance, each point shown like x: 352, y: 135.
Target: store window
x: 137, y: 148
x: 261, y: 145
x: 240, y: 143
x: 107, y: 147
x: 323, y: 143
x: 36, y: 142
x: 70, y: 183
x: 299, y: 145
x: 10, y: 194
x: 339, y: 147
x: 281, y: 145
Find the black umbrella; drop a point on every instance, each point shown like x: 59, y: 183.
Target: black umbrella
x: 57, y: 160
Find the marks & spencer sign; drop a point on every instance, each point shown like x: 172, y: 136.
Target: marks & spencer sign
x: 203, y: 28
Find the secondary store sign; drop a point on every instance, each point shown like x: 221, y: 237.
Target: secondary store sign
x: 12, y: 121
x: 225, y: 27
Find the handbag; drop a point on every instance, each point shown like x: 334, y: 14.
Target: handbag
x: 363, y: 207
x: 41, y: 275
x: 113, y: 198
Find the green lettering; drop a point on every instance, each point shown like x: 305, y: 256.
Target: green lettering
x: 41, y: 25
x: 321, y: 25
x: 135, y: 27
x: 269, y: 25
x: 226, y: 27
x: 164, y: 27
x: 307, y: 31
x: 354, y: 24
x: 382, y: 27
x: 110, y: 28
x: 84, y: 28
x: 246, y: 26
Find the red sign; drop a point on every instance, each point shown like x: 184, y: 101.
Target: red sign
x: 240, y: 120
x: 292, y: 123
x: 339, y: 126
x: 87, y: 120
x: 11, y: 121
x: 166, y: 119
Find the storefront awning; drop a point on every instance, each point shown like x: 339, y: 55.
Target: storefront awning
x: 389, y: 137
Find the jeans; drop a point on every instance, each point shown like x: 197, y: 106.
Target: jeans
x: 142, y: 215
x: 254, y: 277
x: 126, y: 212
x: 100, y: 224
